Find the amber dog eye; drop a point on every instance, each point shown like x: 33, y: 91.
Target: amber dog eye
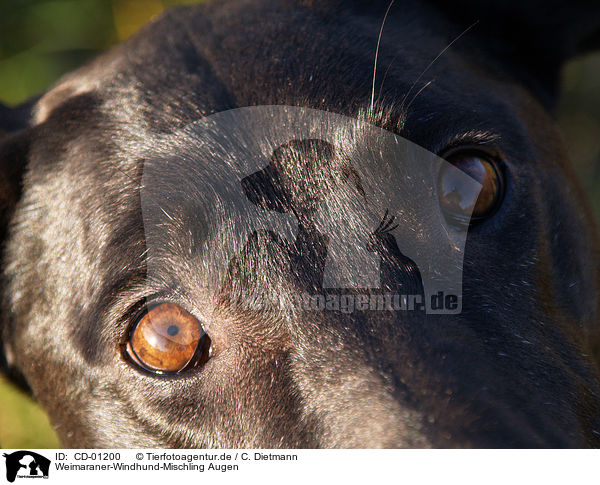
x: 167, y: 339
x: 458, y: 199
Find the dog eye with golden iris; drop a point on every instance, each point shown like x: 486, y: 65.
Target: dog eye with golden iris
x: 460, y: 201
x: 168, y: 339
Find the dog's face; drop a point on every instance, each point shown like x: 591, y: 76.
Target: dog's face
x: 514, y: 368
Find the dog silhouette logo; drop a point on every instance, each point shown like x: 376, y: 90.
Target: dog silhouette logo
x: 301, y: 175
x: 26, y: 464
x: 282, y: 187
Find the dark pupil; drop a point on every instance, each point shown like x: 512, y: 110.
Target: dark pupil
x: 173, y: 330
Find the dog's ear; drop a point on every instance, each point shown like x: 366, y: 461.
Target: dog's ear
x: 15, y: 138
x: 533, y: 38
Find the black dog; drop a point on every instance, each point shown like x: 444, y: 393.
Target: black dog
x: 517, y: 367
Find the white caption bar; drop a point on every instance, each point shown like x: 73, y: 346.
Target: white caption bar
x: 299, y: 466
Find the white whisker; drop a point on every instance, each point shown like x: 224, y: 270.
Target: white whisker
x: 418, y: 92
x: 434, y: 61
x: 377, y: 53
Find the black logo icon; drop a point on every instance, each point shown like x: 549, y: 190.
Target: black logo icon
x: 26, y: 464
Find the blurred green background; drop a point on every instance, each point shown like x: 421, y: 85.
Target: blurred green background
x: 41, y: 39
